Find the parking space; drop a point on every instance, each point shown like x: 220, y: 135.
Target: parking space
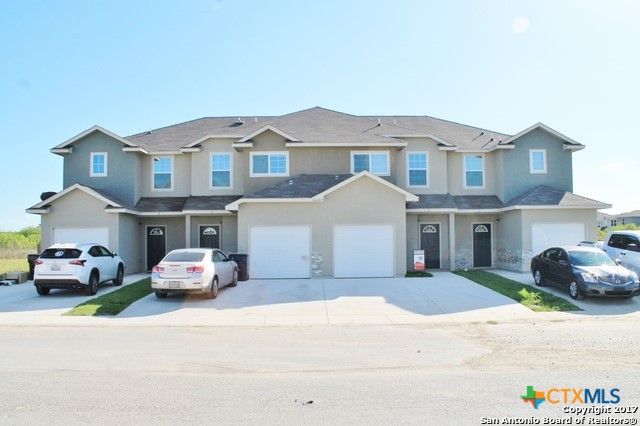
x: 445, y: 298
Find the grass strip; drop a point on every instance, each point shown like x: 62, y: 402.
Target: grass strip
x: 531, y: 297
x: 113, y: 303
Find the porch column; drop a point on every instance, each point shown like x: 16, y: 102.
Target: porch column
x: 187, y: 231
x: 452, y: 241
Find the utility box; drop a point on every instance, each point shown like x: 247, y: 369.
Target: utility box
x: 18, y: 277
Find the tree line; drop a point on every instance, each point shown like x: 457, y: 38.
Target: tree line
x: 18, y: 244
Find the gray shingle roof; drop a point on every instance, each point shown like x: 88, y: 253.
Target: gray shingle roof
x: 543, y: 195
x: 320, y: 125
x: 539, y: 196
x: 301, y: 186
x: 178, y: 204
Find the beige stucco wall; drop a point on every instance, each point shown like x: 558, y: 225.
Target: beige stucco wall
x: 586, y: 216
x: 78, y: 209
x: 363, y: 202
x: 436, y: 167
x: 201, y: 168
x: 181, y: 177
x: 413, y: 236
x: 228, y: 230
x: 456, y: 175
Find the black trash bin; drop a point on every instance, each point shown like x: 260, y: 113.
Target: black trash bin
x: 243, y: 265
x: 31, y: 258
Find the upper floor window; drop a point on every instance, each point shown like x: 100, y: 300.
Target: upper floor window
x: 98, y: 164
x: 538, y: 161
x: 474, y: 171
x: 269, y: 164
x: 417, y: 164
x: 163, y: 173
x: 374, y: 162
x: 221, y: 170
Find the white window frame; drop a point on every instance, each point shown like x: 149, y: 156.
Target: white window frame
x: 464, y: 175
x: 370, y: 153
x: 426, y: 154
x: 269, y: 154
x: 532, y: 152
x: 153, y: 172
x: 91, y: 164
x: 230, y: 155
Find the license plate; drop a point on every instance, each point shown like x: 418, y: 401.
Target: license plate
x: 56, y: 267
x: 174, y: 284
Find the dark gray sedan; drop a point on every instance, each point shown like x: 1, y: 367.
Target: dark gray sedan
x: 584, y: 271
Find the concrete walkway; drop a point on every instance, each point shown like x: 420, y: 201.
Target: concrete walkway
x: 445, y: 298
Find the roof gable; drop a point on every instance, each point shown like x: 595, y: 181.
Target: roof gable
x: 569, y: 143
x: 66, y: 147
x: 110, y: 201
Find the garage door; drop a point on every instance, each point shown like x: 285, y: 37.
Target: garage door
x: 81, y: 235
x: 545, y: 235
x: 280, y: 252
x: 363, y: 251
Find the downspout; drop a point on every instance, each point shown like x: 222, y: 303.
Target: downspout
x: 452, y: 241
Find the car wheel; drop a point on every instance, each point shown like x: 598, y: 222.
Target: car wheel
x: 161, y: 295
x: 42, y: 291
x: 234, y: 281
x: 537, y: 277
x: 119, y: 279
x: 214, y: 288
x: 92, y: 288
x: 574, y: 291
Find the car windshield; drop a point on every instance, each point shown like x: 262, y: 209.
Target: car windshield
x: 60, y: 253
x: 590, y: 258
x: 184, y: 256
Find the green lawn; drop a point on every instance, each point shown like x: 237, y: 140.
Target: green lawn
x: 115, y: 302
x: 531, y: 297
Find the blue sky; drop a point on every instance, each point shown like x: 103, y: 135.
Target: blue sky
x: 131, y: 66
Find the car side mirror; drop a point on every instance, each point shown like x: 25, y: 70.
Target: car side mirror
x: 618, y: 262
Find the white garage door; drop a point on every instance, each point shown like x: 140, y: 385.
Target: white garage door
x: 545, y: 235
x: 363, y: 251
x: 81, y: 235
x: 280, y: 252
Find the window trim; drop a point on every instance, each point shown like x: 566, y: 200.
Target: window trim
x: 269, y: 154
x: 153, y: 172
x: 370, y: 153
x: 544, y: 161
x: 426, y: 154
x: 464, y: 175
x: 230, y: 155
x: 92, y: 163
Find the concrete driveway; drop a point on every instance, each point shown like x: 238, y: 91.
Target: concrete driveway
x: 445, y: 298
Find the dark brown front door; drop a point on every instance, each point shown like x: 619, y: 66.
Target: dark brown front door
x: 156, y: 245
x: 481, y: 245
x: 430, y: 243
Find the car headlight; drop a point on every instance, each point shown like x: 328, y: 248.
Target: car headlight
x: 588, y: 278
x: 635, y: 278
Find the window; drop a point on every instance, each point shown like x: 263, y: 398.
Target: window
x: 163, y: 173
x: 98, y: 164
x: 474, y: 171
x: 221, y: 170
x: 417, y: 168
x: 374, y: 162
x: 270, y: 164
x: 538, y: 161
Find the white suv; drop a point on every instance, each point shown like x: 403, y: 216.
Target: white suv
x: 81, y: 266
x: 624, y: 246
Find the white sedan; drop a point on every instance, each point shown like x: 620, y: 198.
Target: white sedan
x: 194, y: 270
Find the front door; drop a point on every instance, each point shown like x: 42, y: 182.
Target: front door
x: 430, y: 243
x: 210, y: 236
x: 481, y: 245
x: 156, y: 245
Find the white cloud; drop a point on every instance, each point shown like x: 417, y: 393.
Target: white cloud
x: 520, y: 25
